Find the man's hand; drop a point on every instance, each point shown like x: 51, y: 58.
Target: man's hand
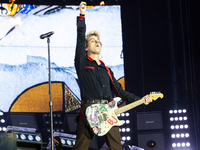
x: 82, y: 8
x: 147, y: 99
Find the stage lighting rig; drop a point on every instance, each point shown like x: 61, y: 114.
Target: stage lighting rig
x: 2, y: 122
x: 180, y: 129
x: 125, y: 130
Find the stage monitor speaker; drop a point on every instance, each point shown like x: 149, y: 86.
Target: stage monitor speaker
x: 28, y: 141
x: 8, y: 141
x: 23, y: 120
x: 149, y: 120
x: 70, y: 125
x: 151, y: 141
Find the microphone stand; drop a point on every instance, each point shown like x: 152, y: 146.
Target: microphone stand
x: 50, y: 102
x: 47, y: 35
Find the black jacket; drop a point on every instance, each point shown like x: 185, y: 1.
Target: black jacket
x: 94, y: 80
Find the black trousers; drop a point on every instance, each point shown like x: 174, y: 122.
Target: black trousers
x: 84, y: 135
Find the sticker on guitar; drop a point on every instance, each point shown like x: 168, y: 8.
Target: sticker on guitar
x: 112, y: 121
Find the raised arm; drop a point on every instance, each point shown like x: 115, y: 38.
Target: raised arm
x: 80, y: 43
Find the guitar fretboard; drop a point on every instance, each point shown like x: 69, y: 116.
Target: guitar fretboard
x: 129, y: 106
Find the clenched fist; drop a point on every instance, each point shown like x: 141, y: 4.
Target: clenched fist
x: 82, y: 8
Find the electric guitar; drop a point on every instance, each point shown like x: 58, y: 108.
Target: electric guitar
x: 102, y: 117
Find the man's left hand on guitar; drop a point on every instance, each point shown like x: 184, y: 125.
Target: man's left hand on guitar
x: 147, y: 99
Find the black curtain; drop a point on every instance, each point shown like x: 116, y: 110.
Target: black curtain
x: 161, y: 53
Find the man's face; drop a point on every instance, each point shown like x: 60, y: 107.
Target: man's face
x: 94, y: 45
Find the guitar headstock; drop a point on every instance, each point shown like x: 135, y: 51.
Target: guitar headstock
x: 156, y: 95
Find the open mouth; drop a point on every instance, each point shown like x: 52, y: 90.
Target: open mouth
x: 97, y: 45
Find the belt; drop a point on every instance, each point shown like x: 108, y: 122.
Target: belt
x: 99, y: 101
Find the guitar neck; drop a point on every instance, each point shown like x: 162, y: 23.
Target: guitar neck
x: 129, y: 106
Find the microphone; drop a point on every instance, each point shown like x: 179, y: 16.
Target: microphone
x: 46, y: 35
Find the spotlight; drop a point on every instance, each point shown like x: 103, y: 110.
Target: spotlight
x: 123, y: 138
x: 38, y: 138
x: 177, y: 135
x: 22, y: 136
x: 1, y: 113
x: 171, y: 119
x: 182, y: 135
x: 173, y: 144
x: 127, y: 129
x: 181, y: 126
x: 30, y: 137
x: 178, y: 144
x: 128, y: 138
x: 3, y: 121
x: 4, y: 129
x: 180, y: 118
x: 173, y: 136
x: 188, y: 144
x: 61, y: 130
x: 127, y: 114
x: 172, y: 127
x: 183, y: 144
x: 187, y: 135
x: 184, y: 110
x: 176, y: 118
x: 186, y: 126
x: 177, y: 126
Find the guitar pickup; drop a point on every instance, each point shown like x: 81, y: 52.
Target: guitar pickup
x: 100, y: 119
x: 104, y: 117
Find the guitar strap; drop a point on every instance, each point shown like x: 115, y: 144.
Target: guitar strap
x: 82, y: 114
x: 108, y: 70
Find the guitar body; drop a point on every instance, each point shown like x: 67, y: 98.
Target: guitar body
x: 101, y: 117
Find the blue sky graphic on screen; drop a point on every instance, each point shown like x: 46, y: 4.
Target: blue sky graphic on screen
x: 24, y: 56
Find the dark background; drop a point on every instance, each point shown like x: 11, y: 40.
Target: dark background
x: 160, y: 42
x: 161, y: 45
x: 161, y: 53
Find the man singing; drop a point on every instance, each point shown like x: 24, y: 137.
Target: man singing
x: 96, y: 85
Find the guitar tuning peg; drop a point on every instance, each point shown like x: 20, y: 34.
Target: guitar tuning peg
x: 157, y: 92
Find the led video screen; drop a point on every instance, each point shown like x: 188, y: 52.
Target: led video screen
x: 24, y: 56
